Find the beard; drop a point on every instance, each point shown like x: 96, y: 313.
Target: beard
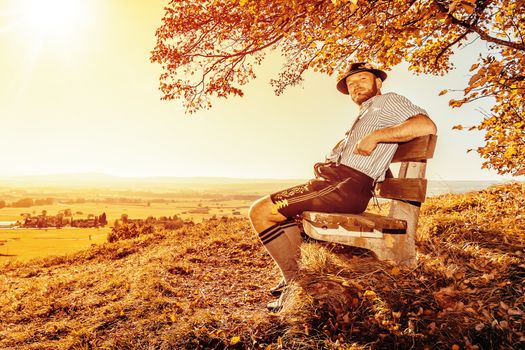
x: 363, y: 94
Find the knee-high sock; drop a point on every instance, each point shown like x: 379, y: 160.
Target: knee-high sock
x: 293, y: 233
x: 283, y: 251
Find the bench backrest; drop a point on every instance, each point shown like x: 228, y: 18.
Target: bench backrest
x: 407, y: 192
x: 410, y: 185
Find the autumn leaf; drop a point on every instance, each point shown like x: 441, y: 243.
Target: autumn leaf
x: 395, y: 271
x: 455, y: 103
x: 235, y: 340
x: 469, y: 8
x: 520, y: 172
x: 510, y: 152
x: 475, y: 78
x: 369, y: 294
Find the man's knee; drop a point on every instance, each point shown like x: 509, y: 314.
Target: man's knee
x: 260, y: 212
x: 259, y: 208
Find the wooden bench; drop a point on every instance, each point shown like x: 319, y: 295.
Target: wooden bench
x: 390, y: 237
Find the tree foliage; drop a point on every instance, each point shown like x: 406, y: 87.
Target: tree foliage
x: 210, y: 47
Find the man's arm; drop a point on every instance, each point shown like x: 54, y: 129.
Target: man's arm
x: 418, y: 125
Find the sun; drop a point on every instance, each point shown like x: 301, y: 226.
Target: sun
x: 52, y: 19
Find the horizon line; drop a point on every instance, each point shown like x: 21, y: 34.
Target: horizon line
x: 132, y: 177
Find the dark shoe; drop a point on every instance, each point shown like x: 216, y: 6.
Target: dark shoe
x: 278, y: 289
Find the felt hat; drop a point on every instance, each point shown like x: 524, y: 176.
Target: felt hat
x: 356, y: 68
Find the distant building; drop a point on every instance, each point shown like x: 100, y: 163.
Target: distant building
x: 199, y: 211
x: 8, y: 224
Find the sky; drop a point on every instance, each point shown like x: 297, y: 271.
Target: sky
x: 79, y: 94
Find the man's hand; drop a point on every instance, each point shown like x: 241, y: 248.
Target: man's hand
x: 366, y: 145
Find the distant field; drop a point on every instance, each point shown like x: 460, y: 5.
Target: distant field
x: 114, y: 211
x: 25, y: 244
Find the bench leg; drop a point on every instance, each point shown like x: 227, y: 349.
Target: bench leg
x: 400, y: 249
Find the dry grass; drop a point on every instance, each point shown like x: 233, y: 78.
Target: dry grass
x: 202, y: 284
x: 466, y: 292
x: 205, y: 286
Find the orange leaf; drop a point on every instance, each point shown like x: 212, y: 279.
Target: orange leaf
x: 474, y: 78
x: 235, y: 340
x: 520, y: 172
x: 469, y: 8
x: 395, y: 271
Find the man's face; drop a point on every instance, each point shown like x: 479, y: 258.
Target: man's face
x: 362, y: 86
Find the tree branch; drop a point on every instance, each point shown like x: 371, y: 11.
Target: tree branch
x: 473, y: 28
x: 449, y: 46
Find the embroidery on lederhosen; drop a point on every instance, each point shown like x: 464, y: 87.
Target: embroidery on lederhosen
x: 278, y: 205
x: 291, y: 192
x: 282, y: 197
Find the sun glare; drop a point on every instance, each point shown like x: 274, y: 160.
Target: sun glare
x: 51, y: 19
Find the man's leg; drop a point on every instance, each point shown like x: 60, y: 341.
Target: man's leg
x: 271, y: 218
x: 280, y: 236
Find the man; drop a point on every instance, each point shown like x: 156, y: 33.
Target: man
x: 344, y: 182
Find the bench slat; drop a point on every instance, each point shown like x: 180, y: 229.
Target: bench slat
x: 334, y: 220
x: 364, y: 222
x: 416, y: 150
x: 385, y: 222
x: 403, y: 189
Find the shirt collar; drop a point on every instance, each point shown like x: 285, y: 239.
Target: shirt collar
x: 367, y: 103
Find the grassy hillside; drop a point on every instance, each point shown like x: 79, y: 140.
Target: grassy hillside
x: 206, y: 286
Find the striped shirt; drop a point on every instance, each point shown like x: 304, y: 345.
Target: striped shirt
x: 378, y: 112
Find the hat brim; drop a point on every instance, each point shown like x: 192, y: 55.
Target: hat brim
x: 341, y: 84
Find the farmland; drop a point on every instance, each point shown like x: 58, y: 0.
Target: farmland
x: 142, y: 210
x: 24, y: 244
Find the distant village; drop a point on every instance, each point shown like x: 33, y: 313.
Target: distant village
x: 206, y: 210
x: 62, y: 219
x: 66, y: 218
